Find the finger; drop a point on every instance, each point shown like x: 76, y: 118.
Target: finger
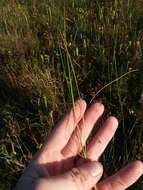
x: 124, y: 178
x: 63, y: 131
x: 85, y: 126
x: 81, y: 178
x: 97, y: 146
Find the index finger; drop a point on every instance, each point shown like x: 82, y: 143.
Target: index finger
x: 65, y: 127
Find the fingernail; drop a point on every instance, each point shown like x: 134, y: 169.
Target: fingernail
x: 94, y: 168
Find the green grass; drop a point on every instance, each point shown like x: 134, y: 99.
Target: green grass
x: 53, y: 52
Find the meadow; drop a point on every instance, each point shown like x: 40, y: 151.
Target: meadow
x: 54, y: 51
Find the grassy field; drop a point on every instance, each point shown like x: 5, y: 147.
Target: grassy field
x: 55, y: 51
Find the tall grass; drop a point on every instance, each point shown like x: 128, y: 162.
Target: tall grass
x: 53, y: 52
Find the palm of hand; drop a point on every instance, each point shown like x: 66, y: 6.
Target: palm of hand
x: 59, y: 154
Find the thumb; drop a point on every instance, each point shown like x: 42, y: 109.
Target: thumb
x: 81, y: 178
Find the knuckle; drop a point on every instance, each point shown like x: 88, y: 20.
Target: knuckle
x: 79, y: 178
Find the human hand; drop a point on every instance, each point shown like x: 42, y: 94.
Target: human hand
x: 58, y: 166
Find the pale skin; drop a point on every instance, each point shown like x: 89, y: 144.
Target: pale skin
x: 58, y: 166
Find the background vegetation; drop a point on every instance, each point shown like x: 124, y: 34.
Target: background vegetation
x: 54, y: 51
